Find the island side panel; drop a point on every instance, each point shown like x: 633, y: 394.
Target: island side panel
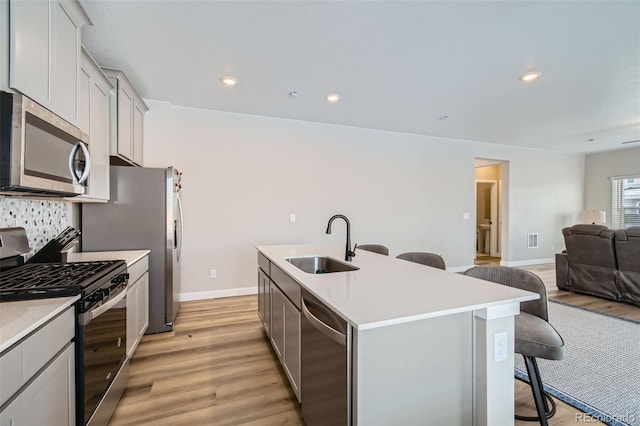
x: 494, y: 390
x: 415, y: 373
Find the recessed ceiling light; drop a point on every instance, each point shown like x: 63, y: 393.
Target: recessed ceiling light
x: 333, y: 97
x: 229, y: 81
x: 530, y: 76
x: 293, y: 94
x: 443, y: 117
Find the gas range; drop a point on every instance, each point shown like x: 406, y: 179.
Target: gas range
x: 43, y: 280
x: 101, y: 314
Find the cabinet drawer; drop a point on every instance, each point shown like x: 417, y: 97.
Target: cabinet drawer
x: 287, y: 284
x: 11, y: 370
x: 138, y: 269
x: 46, y: 342
x: 24, y: 360
x: 264, y: 263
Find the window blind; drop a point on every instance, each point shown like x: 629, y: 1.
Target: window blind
x: 625, y: 201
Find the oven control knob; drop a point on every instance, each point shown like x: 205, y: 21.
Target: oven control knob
x: 99, y: 295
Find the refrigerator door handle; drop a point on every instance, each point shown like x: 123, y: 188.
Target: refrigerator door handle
x: 179, y: 241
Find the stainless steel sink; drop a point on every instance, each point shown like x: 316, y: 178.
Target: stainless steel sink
x: 320, y: 265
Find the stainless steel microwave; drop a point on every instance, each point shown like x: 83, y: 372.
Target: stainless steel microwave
x: 40, y: 153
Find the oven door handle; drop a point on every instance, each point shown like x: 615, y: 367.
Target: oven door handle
x: 87, y: 317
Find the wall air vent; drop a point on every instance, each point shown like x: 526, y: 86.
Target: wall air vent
x: 532, y: 240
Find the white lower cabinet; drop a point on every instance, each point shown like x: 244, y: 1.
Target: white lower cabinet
x: 55, y: 384
x: 40, y: 372
x: 137, y: 303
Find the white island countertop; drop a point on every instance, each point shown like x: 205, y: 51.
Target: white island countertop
x: 387, y: 291
x: 19, y: 319
x: 129, y: 256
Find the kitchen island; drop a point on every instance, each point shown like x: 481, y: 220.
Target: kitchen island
x: 421, y: 339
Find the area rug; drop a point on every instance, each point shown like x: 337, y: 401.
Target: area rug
x: 600, y: 372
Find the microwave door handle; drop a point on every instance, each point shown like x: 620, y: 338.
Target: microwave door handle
x: 87, y: 166
x: 87, y: 163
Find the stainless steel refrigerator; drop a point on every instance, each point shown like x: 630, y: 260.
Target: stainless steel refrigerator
x: 144, y: 212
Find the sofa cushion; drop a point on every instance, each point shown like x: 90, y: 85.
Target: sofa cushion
x: 627, y: 242
x: 590, y: 245
x: 592, y: 264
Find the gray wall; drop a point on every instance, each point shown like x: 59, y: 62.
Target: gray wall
x: 244, y: 175
x: 599, y: 168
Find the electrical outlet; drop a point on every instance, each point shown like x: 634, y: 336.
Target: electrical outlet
x: 553, y: 246
x: 213, y: 273
x: 292, y: 218
x: 499, y: 347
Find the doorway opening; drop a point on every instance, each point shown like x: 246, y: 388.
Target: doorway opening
x: 490, y: 211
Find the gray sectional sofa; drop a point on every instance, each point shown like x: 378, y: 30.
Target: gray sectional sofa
x: 601, y: 262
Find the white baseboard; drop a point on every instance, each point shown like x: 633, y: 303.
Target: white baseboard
x: 528, y: 262
x: 217, y: 294
x: 460, y: 268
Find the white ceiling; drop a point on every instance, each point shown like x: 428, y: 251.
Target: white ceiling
x: 397, y: 65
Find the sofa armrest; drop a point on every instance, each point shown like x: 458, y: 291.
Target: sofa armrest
x: 562, y: 271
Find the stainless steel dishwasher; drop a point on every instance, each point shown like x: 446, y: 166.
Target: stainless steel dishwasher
x: 325, y: 365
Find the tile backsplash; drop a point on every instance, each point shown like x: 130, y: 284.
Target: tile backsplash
x: 42, y: 219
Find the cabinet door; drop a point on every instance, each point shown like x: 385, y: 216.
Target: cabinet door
x: 29, y: 48
x: 65, y: 57
x: 143, y: 305
x: 13, y: 414
x: 93, y: 119
x: 138, y: 115
x: 277, y: 320
x: 125, y: 121
x: 99, y: 136
x: 261, y: 295
x: 132, y: 317
x: 84, y: 97
x: 264, y: 300
x: 292, y: 345
x: 53, y: 393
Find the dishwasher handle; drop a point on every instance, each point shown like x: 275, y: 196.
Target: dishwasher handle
x: 325, y: 329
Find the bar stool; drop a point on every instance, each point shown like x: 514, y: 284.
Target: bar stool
x: 534, y: 336
x: 428, y: 259
x: 375, y: 248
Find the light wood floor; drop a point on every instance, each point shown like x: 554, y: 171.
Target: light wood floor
x: 216, y: 368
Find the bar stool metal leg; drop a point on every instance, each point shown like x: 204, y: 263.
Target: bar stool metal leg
x: 540, y: 397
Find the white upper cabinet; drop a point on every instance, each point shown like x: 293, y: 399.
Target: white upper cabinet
x: 93, y: 119
x: 127, y: 129
x: 44, y: 45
